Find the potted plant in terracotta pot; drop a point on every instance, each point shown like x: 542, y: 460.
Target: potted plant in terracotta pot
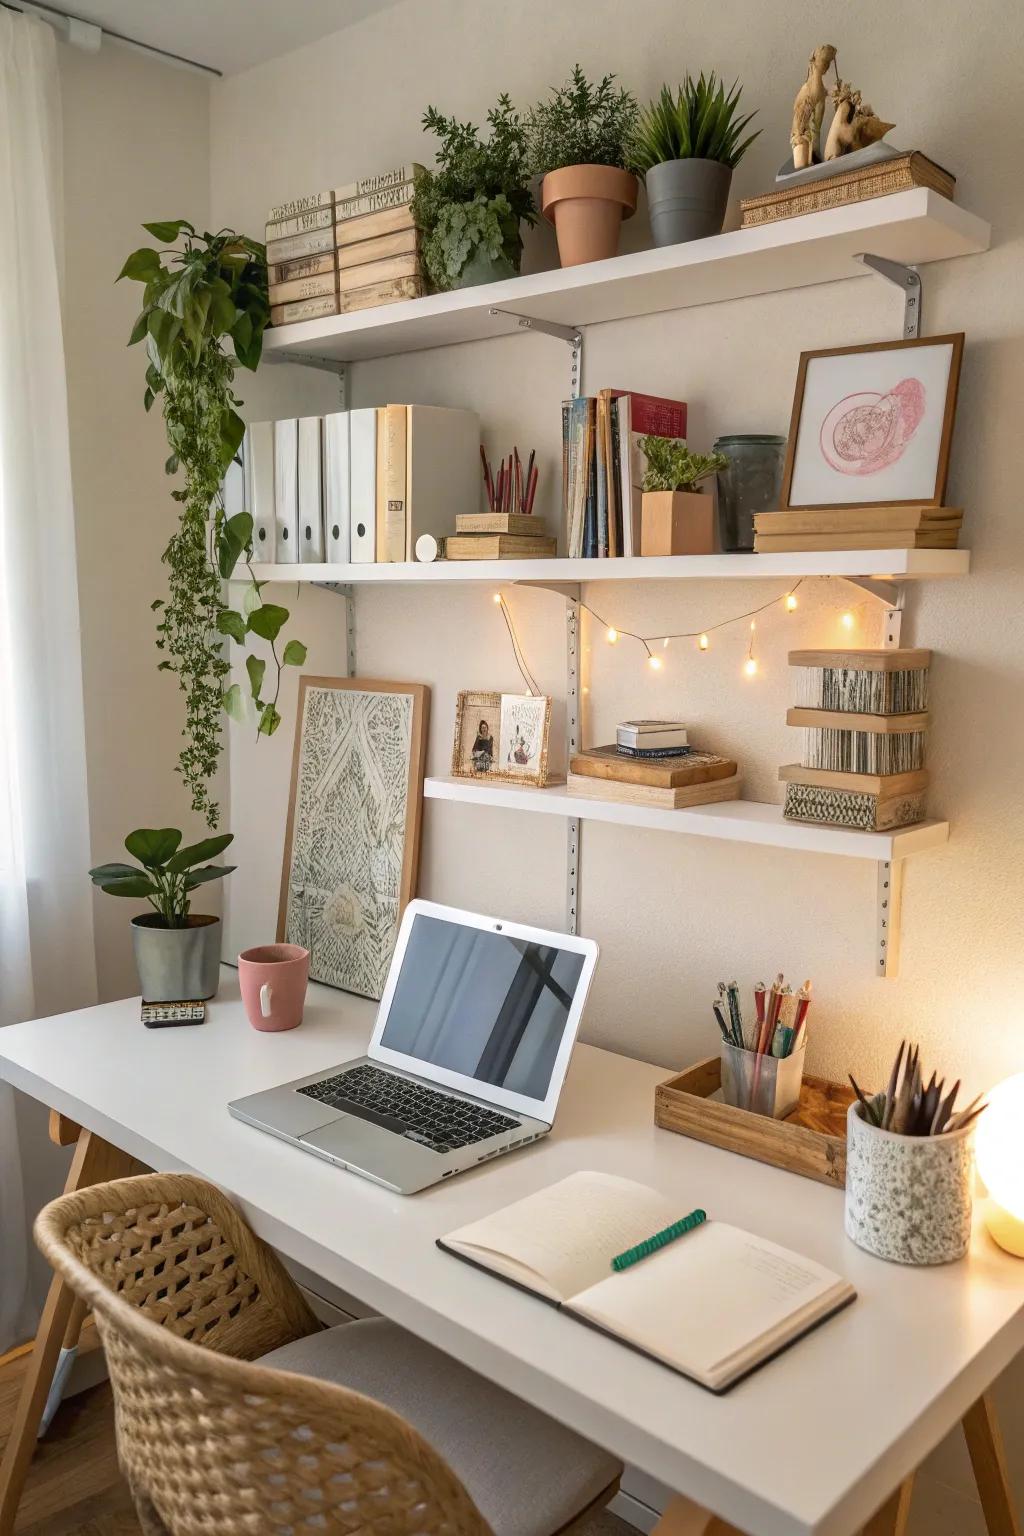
x: 177, y: 952
x: 675, y: 518
x: 577, y: 142
x: 470, y: 209
x: 686, y: 148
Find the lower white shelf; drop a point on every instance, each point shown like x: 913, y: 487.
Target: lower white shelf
x: 739, y: 821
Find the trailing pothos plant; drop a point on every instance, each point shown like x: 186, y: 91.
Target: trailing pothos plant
x: 201, y: 294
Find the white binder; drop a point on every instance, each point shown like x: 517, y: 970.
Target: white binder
x: 337, y: 488
x: 259, y: 474
x: 363, y: 482
x: 286, y: 491
x: 233, y: 490
x: 311, y: 512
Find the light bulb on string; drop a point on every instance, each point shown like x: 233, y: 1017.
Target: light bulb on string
x: 497, y: 597
x: 750, y: 666
x: 791, y: 602
x: 611, y: 635
x: 847, y: 620
x: 703, y: 642
x: 655, y: 663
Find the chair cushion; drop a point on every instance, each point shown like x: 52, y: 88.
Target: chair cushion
x: 527, y: 1474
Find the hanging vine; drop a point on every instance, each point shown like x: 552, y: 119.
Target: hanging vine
x: 197, y: 299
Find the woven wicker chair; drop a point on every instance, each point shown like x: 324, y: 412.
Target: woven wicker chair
x: 215, y: 1441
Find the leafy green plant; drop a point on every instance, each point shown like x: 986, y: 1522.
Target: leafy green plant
x: 698, y: 123
x: 470, y: 208
x: 166, y: 873
x: 672, y: 467
x: 197, y: 299
x: 581, y: 124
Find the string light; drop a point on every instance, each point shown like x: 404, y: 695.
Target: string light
x: 703, y: 642
x: 497, y: 597
x: 612, y: 635
x: 665, y: 642
x: 750, y: 665
x: 847, y: 620
x: 517, y: 650
x: 655, y: 663
x: 791, y: 602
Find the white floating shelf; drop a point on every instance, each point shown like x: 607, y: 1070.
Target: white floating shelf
x: 738, y: 821
x: 915, y: 227
x: 876, y: 564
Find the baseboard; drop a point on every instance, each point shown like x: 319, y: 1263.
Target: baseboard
x: 633, y: 1512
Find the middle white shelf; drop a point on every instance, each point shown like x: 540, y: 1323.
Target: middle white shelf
x: 739, y: 821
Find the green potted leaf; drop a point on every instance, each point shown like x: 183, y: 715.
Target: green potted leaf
x: 578, y: 142
x: 470, y: 208
x: 676, y: 518
x: 177, y: 951
x: 686, y: 148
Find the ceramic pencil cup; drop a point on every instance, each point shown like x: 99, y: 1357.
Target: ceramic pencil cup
x: 765, y: 1085
x: 273, y: 980
x: 908, y: 1198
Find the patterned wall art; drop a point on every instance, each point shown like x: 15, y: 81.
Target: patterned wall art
x: 353, y: 833
x: 872, y: 425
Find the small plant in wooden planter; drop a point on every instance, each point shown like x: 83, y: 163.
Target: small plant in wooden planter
x: 675, y: 517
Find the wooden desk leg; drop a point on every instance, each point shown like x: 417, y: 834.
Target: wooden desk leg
x: 985, y: 1444
x: 95, y: 1161
x: 892, y: 1518
x: 684, y: 1518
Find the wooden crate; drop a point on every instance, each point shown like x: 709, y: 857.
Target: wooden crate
x: 811, y: 1141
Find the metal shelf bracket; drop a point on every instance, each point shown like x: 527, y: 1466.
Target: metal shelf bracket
x: 888, y: 907
x: 892, y: 597
x: 573, y: 742
x: 570, y: 334
x: 908, y: 280
x: 346, y: 590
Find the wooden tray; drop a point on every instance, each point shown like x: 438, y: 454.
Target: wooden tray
x: 811, y: 1141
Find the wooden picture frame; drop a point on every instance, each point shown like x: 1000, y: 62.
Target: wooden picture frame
x: 352, y: 838
x: 939, y: 430
x: 472, y: 710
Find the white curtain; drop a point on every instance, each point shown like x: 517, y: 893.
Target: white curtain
x: 47, y: 959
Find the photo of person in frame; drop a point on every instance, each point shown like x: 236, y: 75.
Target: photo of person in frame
x: 483, y: 748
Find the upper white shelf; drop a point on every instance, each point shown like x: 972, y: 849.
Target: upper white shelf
x: 914, y: 227
x: 877, y: 564
x: 740, y: 821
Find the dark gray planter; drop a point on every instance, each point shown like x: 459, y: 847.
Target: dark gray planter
x: 687, y: 199
x: 177, y: 964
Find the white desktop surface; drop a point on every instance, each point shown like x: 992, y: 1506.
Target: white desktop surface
x: 808, y: 1446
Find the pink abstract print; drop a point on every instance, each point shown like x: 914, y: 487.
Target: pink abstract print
x: 866, y: 432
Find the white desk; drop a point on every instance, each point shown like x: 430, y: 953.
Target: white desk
x: 809, y: 1446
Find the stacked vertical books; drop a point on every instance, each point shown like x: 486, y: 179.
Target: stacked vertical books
x: 603, y: 467
x: 864, y: 716
x: 345, y: 249
x: 893, y: 526
x: 652, y: 763
x: 357, y: 487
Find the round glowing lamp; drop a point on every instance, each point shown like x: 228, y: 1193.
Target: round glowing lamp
x: 999, y: 1147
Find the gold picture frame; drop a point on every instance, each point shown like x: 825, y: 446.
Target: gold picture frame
x: 520, y: 749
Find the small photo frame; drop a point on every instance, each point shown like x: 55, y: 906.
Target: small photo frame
x: 872, y: 425
x: 502, y: 736
x: 477, y: 733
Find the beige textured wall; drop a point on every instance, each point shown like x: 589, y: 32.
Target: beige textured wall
x: 674, y: 914
x: 136, y: 146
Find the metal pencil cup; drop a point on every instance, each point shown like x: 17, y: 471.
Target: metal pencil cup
x: 766, y: 1085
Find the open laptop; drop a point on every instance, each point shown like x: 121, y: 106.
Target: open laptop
x: 467, y: 1059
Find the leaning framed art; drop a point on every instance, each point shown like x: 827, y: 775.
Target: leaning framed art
x: 353, y: 832
x: 872, y: 425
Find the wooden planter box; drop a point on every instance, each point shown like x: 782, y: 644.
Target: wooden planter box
x: 677, y: 523
x: 811, y: 1141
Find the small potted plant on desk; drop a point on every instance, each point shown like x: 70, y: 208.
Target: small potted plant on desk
x: 578, y: 143
x: 469, y: 210
x: 686, y: 148
x: 177, y: 952
x: 676, y: 518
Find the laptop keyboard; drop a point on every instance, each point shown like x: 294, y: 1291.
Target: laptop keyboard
x: 436, y: 1120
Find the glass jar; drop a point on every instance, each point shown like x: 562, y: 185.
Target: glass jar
x: 751, y: 482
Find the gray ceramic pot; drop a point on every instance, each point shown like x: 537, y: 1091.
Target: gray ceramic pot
x: 908, y: 1198
x: 177, y: 964
x: 687, y: 199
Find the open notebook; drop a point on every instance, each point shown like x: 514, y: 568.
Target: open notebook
x: 713, y: 1305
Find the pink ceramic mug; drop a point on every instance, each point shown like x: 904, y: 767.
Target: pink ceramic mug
x: 273, y: 979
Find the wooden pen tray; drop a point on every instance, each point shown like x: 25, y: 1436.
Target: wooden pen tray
x: 811, y: 1141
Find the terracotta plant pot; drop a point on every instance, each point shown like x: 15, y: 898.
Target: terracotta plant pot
x: 677, y: 523
x: 587, y: 204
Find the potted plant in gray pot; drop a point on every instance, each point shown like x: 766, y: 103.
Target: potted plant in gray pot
x: 686, y: 148
x: 177, y: 952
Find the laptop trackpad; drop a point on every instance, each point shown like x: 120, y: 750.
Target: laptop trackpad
x: 361, y: 1144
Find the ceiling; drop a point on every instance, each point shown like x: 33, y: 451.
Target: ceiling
x: 228, y: 35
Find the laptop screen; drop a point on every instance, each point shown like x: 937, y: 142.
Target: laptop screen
x: 484, y: 1004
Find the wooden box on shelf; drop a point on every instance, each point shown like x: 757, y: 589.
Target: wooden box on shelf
x: 811, y: 1141
x: 677, y: 523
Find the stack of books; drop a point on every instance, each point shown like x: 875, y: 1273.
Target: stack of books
x: 885, y: 526
x: 652, y: 763
x: 880, y: 177
x: 499, y: 536
x: 864, y: 716
x: 359, y: 486
x: 344, y: 249
x: 603, y: 467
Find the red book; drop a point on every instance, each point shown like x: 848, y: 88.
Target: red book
x: 653, y: 415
